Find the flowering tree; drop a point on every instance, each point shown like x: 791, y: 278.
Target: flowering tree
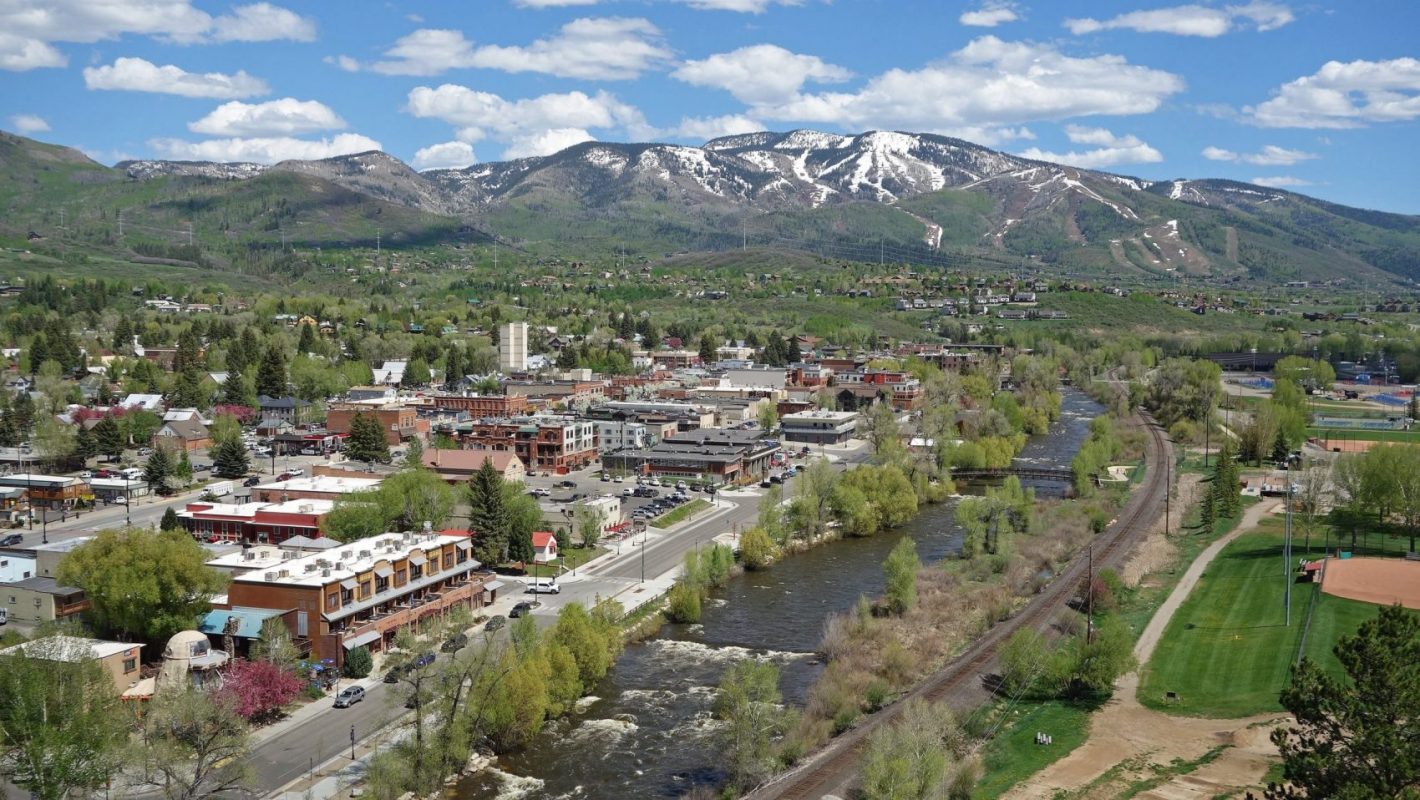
x: 259, y: 689
x: 244, y: 414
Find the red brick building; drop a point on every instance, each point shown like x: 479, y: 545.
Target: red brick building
x: 400, y: 423
x: 483, y: 405
x: 363, y: 593
x: 255, y: 522
x: 544, y: 444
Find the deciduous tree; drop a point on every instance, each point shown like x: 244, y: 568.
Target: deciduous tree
x: 194, y: 745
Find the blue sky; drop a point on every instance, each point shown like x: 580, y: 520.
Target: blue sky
x: 1320, y: 99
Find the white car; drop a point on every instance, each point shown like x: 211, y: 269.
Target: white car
x: 295, y: 471
x: 543, y: 586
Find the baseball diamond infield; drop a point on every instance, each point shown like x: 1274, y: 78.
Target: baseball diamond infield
x: 1373, y: 580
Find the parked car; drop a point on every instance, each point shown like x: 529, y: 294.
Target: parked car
x: 11, y: 539
x: 87, y: 474
x: 454, y: 643
x: 252, y: 481
x: 765, y: 484
x: 201, y: 467
x: 655, y: 482
x: 349, y: 696
x: 103, y: 473
x: 285, y: 476
x: 541, y: 492
x: 295, y: 471
x: 544, y: 586
x: 628, y: 492
x: 120, y: 500
x: 522, y: 608
x: 145, y: 451
x: 680, y: 485
x: 618, y: 479
x: 566, y: 484
x: 424, y: 660
x: 395, y: 673
x: 606, y: 476
x: 776, y: 479
x: 497, y: 621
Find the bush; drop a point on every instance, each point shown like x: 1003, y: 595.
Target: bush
x: 901, y: 570
x: 684, y: 604
x: 756, y: 549
x: 358, y: 663
x: 877, y: 694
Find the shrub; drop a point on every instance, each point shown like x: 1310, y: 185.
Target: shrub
x: 756, y: 549
x: 877, y: 694
x: 358, y: 663
x: 684, y: 605
x: 901, y: 570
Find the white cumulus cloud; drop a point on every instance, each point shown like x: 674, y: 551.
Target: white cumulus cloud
x: 762, y: 73
x: 1112, y: 150
x: 529, y: 125
x: 284, y: 117
x: 445, y: 155
x: 1191, y: 20
x: 262, y: 22
x: 263, y: 150
x: 29, y: 123
x: 707, y: 128
x: 988, y: 83
x: 345, y: 63
x: 1269, y: 156
x: 1281, y: 181
x: 31, y: 27
x: 595, y: 49
x: 1344, y: 95
x: 989, y: 15
x: 141, y: 75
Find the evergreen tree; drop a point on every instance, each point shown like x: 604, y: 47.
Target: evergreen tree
x: 1225, y: 482
x: 123, y: 335
x: 24, y: 413
x: 170, y: 520
x: 189, y: 391
x: 453, y: 368
x: 567, y: 357
x: 86, y: 445
x: 229, y: 459
x: 488, y: 516
x: 271, y: 374
x: 108, y: 437
x: 707, y: 349
x: 39, y: 352
x: 792, y: 355
x: 189, y: 352
x: 520, y: 547
x: 307, y: 342
x: 183, y: 469
x: 367, y: 439
x: 414, y: 456
x: 236, y: 391
x: 1208, y: 514
x: 416, y: 374
x: 158, y: 470
x: 9, y: 432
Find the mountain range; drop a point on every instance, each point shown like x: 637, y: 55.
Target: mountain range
x: 916, y: 197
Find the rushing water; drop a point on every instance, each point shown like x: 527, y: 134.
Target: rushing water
x: 648, y: 731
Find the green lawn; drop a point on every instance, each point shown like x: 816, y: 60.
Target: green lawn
x: 681, y: 514
x: 1012, y: 755
x: 1227, y: 652
x: 1358, y: 435
x: 574, y: 557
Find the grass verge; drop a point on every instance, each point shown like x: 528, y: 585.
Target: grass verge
x: 1012, y: 755
x: 681, y: 514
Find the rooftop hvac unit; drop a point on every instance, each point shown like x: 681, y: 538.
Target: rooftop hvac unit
x: 325, y: 573
x: 287, y: 555
x: 270, y: 576
x: 285, y: 573
x: 248, y: 555
x: 311, y: 568
x: 340, y: 565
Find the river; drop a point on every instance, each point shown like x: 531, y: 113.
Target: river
x: 647, y: 729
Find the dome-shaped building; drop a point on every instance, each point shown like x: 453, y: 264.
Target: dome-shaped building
x: 189, y: 657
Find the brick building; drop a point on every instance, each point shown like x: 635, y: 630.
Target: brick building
x: 482, y: 405
x: 545, y: 444
x: 363, y: 593
x: 255, y: 522
x: 400, y: 423
x: 319, y: 487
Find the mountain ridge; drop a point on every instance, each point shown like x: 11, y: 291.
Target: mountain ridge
x: 933, y: 191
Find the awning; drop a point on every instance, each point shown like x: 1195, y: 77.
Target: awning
x: 361, y: 640
x: 492, y: 586
x: 463, y: 544
x: 349, y: 583
x: 384, y: 571
x: 417, y: 557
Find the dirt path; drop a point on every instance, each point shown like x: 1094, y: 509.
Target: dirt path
x: 1130, y: 743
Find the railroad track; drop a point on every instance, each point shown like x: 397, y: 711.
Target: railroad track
x: 833, y: 771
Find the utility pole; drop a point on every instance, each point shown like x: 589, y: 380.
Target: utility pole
x: 1168, y: 490
x: 1090, y: 597
x: 1287, y: 555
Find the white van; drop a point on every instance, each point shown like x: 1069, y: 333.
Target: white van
x: 543, y: 586
x: 131, y: 474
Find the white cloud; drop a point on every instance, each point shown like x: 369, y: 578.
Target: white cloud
x: 1344, y: 95
x: 263, y: 150
x: 596, y: 49
x: 479, y: 114
x: 1281, y: 181
x: 742, y: 6
x: 284, y: 117
x: 1191, y: 20
x: 707, y: 128
x: 262, y: 22
x: 18, y: 54
x: 344, y: 62
x: 988, y: 83
x: 989, y: 15
x: 1112, y: 150
x: 32, y: 26
x: 986, y: 135
x: 546, y: 142
x: 445, y: 155
x: 29, y: 123
x: 1269, y: 156
x: 139, y: 75
x: 762, y: 73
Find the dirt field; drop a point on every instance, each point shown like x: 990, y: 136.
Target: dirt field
x: 1134, y: 751
x: 1382, y: 581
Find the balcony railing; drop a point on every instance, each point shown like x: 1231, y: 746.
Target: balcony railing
x: 403, y: 614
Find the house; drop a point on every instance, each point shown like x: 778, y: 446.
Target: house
x: 186, y: 434
x: 120, y: 660
x: 41, y: 599
x: 366, y: 393
x: 544, y: 547
x: 294, y: 410
x: 274, y: 426
x: 391, y: 373
x: 459, y: 466
x: 146, y: 402
x: 319, y: 487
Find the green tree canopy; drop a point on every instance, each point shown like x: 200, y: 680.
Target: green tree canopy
x: 143, y: 584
